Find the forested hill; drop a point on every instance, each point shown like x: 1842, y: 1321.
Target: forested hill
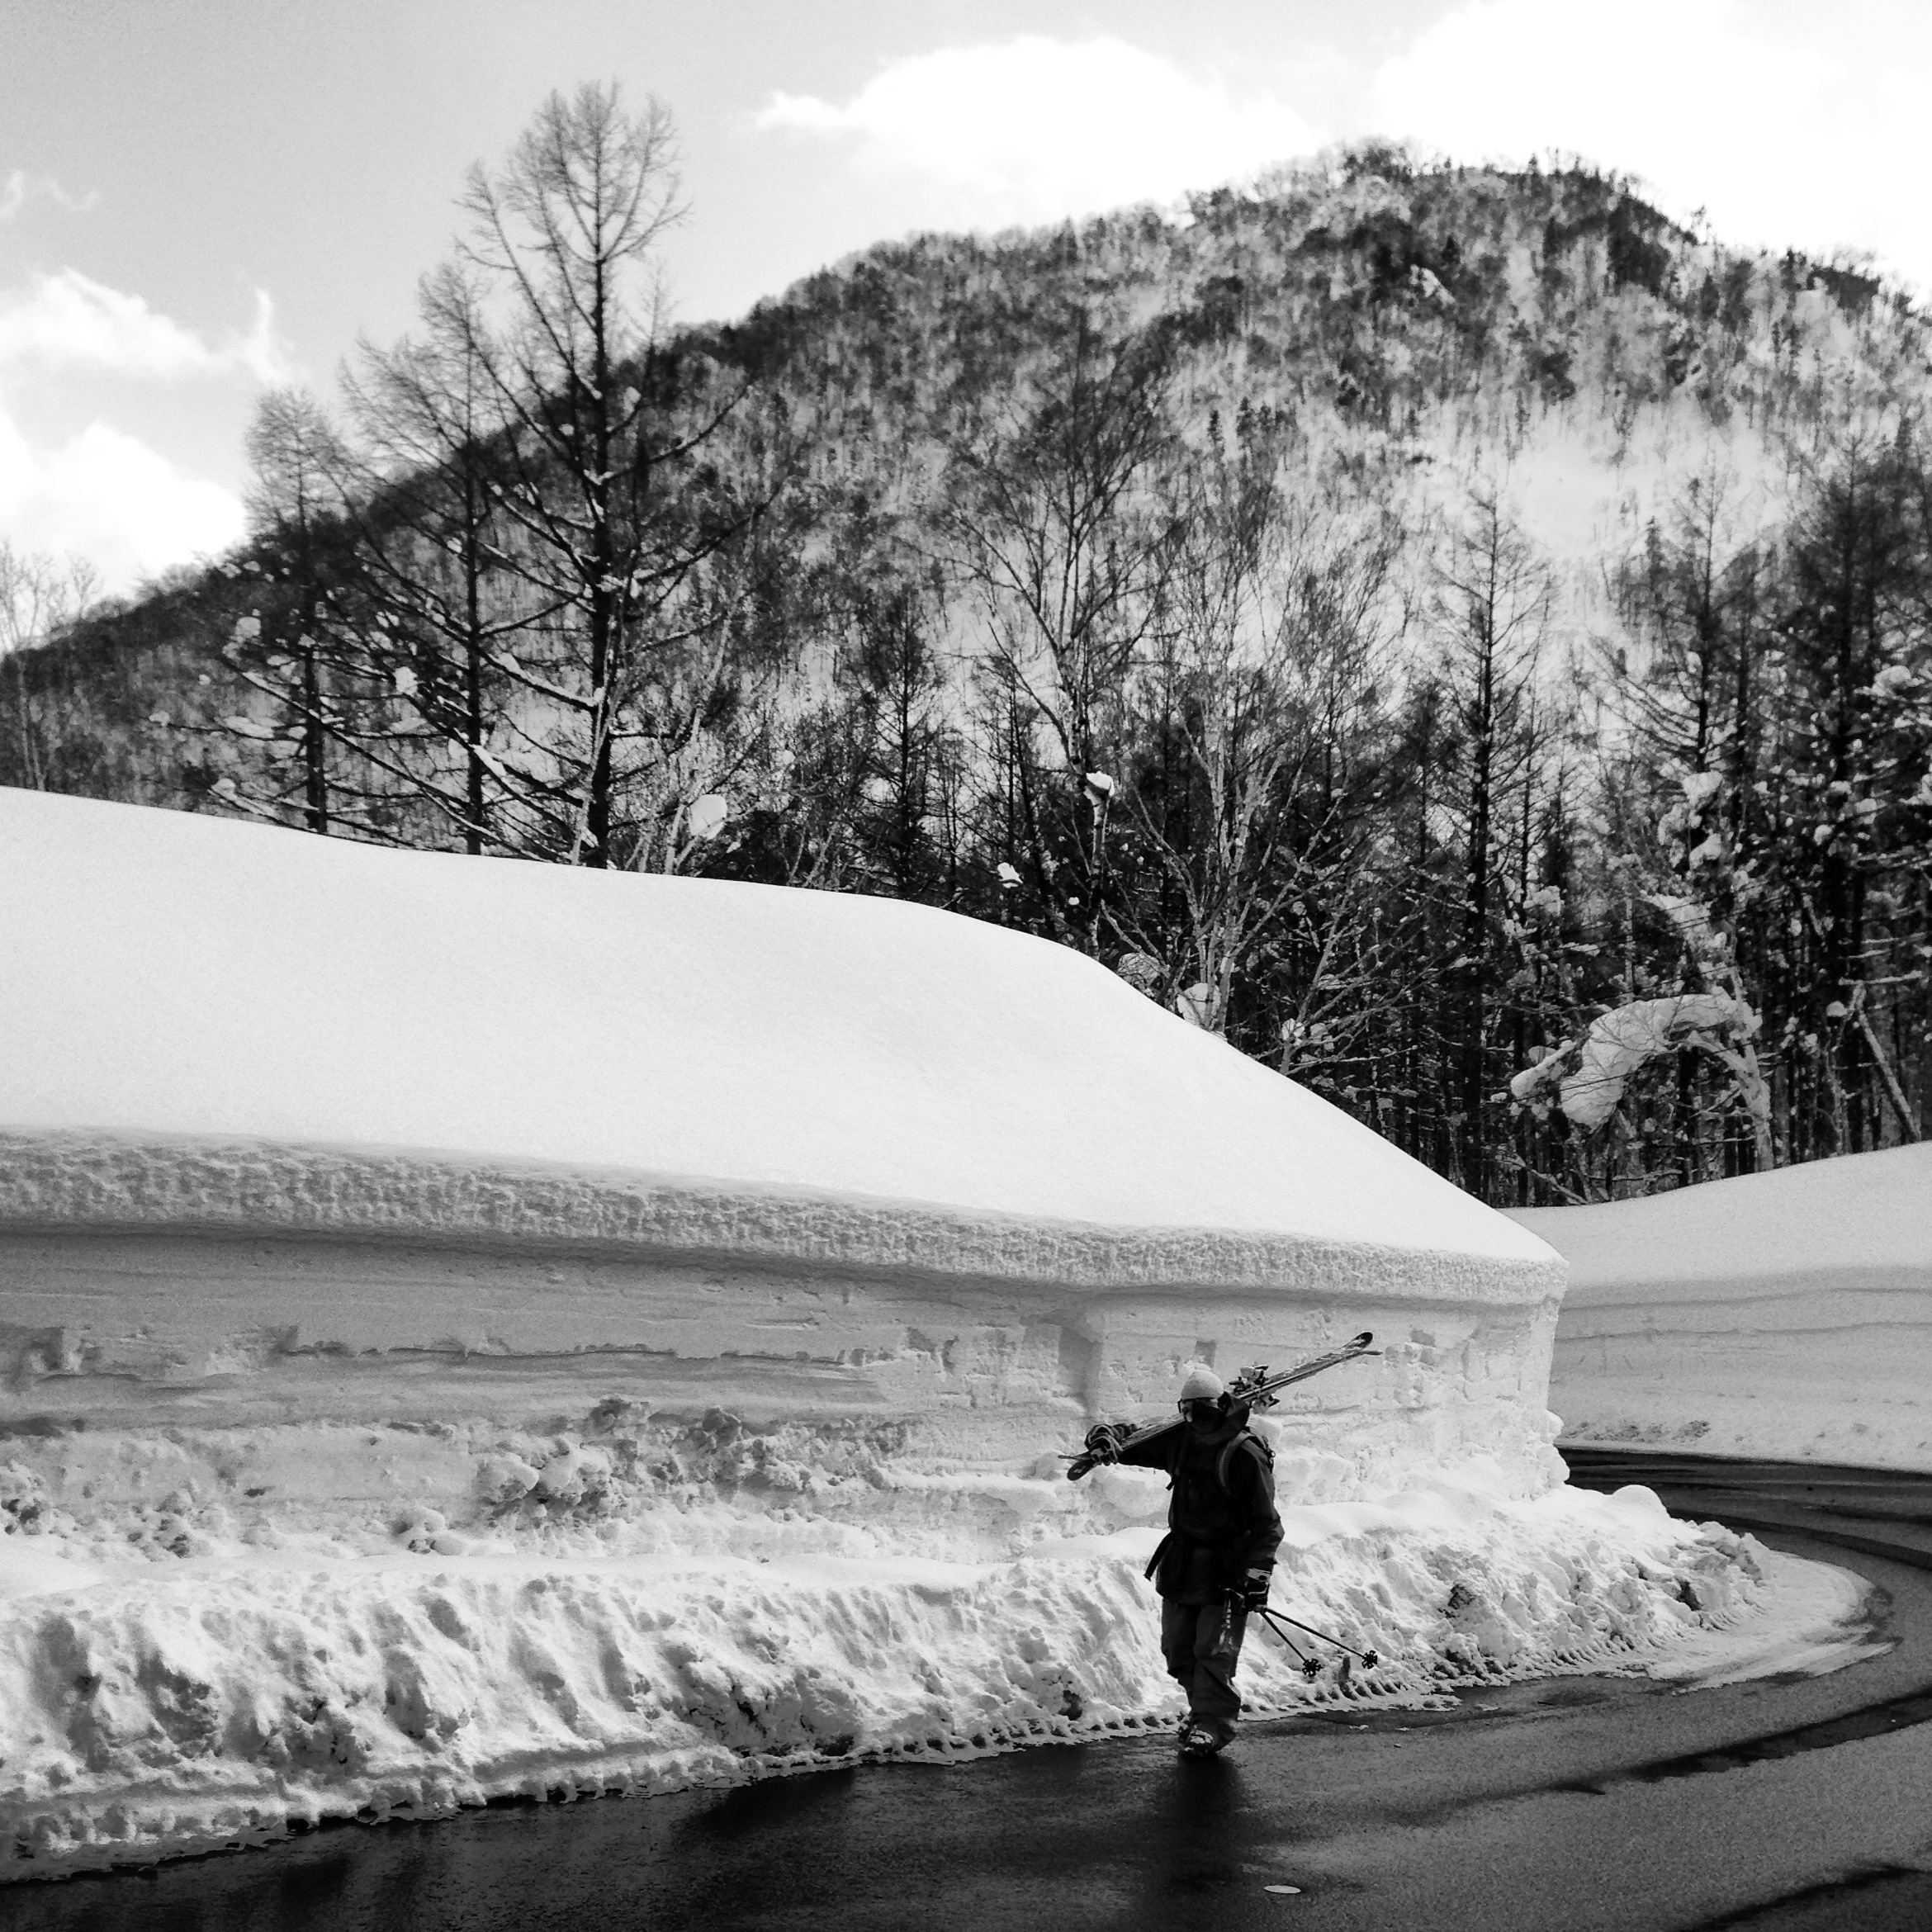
x: 1453, y: 631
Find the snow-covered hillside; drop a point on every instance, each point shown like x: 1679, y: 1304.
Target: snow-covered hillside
x: 474, y: 1327
x: 1785, y: 1315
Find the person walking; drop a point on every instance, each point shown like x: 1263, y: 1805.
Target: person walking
x: 1215, y: 1563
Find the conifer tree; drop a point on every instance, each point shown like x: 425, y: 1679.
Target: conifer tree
x: 1491, y: 613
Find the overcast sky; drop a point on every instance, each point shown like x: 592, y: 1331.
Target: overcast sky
x: 201, y: 196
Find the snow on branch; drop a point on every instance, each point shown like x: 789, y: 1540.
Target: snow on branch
x: 1586, y: 1081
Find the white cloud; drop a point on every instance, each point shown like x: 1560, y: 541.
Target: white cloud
x: 20, y: 188
x: 98, y: 492
x: 1033, y: 130
x: 70, y: 321
x: 1811, y: 143
x: 1789, y: 127
x: 105, y: 496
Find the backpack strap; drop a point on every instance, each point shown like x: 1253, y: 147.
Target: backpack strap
x: 1225, y: 1461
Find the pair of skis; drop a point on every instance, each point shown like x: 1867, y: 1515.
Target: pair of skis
x: 1253, y: 1388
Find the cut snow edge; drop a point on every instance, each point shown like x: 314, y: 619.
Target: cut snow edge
x: 74, y: 1181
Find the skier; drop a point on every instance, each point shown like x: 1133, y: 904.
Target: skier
x: 1215, y: 1562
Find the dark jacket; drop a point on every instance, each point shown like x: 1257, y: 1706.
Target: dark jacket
x: 1221, y: 1521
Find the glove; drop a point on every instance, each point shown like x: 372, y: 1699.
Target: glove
x: 1103, y: 1442
x: 1253, y: 1594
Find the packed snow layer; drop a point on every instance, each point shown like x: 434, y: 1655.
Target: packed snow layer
x: 218, y: 1680
x: 176, y: 974
x: 300, y: 1130
x: 987, y: 1347
x: 1786, y: 1314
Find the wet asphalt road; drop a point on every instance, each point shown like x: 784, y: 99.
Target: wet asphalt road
x: 1789, y: 1806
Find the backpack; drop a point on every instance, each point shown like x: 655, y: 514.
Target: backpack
x: 1225, y: 1461
x: 1246, y: 1439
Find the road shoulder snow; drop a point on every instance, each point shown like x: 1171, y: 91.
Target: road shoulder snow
x: 154, y: 1704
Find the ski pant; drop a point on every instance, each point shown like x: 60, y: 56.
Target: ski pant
x: 1201, y: 1653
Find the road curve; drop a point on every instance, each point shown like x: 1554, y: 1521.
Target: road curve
x: 1782, y: 1806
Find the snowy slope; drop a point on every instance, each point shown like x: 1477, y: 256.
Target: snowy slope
x: 197, y: 975
x: 1782, y: 1314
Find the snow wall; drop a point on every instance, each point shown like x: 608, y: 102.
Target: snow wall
x: 813, y: 1160
x: 1786, y: 1314
x: 471, y: 1327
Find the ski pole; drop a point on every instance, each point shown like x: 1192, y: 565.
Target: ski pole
x: 1369, y: 1658
x: 1311, y: 1667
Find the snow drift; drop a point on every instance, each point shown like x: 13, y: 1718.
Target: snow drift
x: 474, y: 1327
x: 1786, y: 1315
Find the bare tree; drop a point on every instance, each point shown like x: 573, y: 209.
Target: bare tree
x: 282, y: 650
x: 610, y: 518
x: 40, y: 595
x: 429, y: 531
x: 1045, y: 515
x: 1491, y: 612
x: 1252, y: 709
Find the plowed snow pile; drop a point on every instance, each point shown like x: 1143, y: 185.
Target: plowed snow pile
x: 155, y: 1702
x: 1786, y: 1315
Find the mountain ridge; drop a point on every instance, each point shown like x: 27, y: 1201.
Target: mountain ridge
x: 1388, y: 577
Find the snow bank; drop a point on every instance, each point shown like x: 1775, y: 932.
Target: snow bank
x: 298, y: 1130
x: 155, y: 1702
x: 469, y: 1327
x: 212, y: 1286
x: 170, y: 972
x: 1786, y: 1314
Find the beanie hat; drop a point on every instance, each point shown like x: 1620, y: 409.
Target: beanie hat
x: 1202, y: 1384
